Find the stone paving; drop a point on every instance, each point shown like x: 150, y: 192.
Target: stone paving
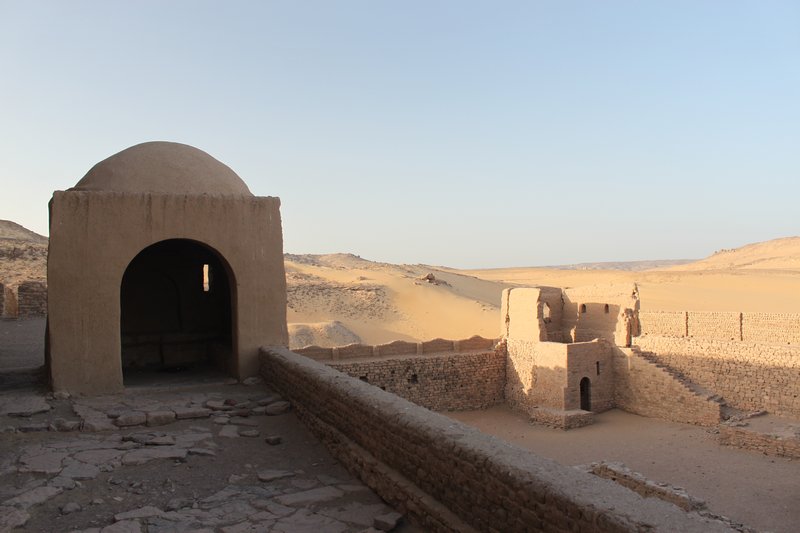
x: 64, y: 459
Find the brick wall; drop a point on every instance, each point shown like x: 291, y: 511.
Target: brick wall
x: 644, y: 389
x: 448, y: 476
x: 32, y: 298
x: 443, y: 382
x: 771, y: 328
x: 355, y: 351
x: 749, y: 375
x: 768, y: 444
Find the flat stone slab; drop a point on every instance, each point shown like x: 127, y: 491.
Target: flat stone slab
x: 277, y: 408
x: 305, y: 521
x: 144, y: 455
x: 45, y: 463
x: 24, y: 406
x: 272, y: 475
x: 33, y: 497
x: 160, y: 418
x: 182, y: 413
x: 229, y: 431
x: 79, y: 470
x: 98, y: 457
x: 143, y: 512
x: 11, y: 518
x: 308, y: 497
x: 131, y: 418
x: 126, y: 526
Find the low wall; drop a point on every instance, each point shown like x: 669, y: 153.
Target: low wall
x: 750, y: 376
x: 770, y: 328
x: 644, y: 389
x: 746, y: 438
x: 443, y: 382
x: 32, y: 299
x: 355, y: 351
x: 448, y: 476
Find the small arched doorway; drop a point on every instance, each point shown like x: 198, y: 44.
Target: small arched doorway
x: 175, y: 303
x: 586, y: 394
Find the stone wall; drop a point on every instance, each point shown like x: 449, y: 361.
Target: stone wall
x: 644, y: 389
x: 768, y: 444
x: 772, y: 328
x: 543, y: 380
x: 32, y: 299
x: 448, y: 476
x: 355, y: 351
x: 749, y: 375
x: 443, y: 382
x: 599, y: 312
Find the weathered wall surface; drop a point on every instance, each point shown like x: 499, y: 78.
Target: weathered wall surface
x: 444, y: 382
x: 450, y: 477
x: 644, y: 389
x: 749, y: 375
x: 32, y: 299
x: 8, y: 307
x: 95, y: 235
x: 538, y: 376
x: 598, y: 312
x: 768, y: 444
x: 353, y: 351
x: 770, y: 328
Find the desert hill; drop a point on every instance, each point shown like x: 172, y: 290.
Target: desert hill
x: 338, y: 299
x: 777, y: 254
x: 23, y: 254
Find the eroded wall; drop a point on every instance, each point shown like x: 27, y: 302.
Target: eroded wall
x: 448, y: 476
x: 599, y: 312
x: 32, y: 299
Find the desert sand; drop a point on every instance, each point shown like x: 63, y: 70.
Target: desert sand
x: 380, y: 302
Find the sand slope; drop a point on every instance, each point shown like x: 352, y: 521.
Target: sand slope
x: 337, y: 299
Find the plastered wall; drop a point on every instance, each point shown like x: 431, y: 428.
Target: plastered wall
x: 749, y: 375
x: 450, y: 477
x: 95, y: 235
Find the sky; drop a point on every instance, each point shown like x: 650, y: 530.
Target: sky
x: 466, y: 134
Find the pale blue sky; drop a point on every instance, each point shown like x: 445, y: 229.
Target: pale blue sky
x: 460, y: 133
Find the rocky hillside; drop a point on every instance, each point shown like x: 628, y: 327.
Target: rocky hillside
x: 23, y: 254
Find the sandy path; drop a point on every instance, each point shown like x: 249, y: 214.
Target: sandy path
x: 762, y: 492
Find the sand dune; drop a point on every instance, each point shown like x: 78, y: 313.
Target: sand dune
x: 337, y: 299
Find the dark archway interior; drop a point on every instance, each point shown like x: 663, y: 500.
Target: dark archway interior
x: 586, y: 394
x: 176, y: 310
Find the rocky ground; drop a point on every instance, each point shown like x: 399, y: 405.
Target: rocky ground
x: 224, y: 458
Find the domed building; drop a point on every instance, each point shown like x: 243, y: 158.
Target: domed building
x: 161, y: 259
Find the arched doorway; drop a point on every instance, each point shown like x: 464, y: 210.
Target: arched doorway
x: 175, y: 302
x: 586, y: 394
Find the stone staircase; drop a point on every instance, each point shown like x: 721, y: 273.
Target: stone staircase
x: 727, y: 412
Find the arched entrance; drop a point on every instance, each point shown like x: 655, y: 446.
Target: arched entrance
x: 586, y: 394
x: 175, y: 302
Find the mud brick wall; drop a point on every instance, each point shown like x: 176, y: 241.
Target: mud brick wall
x: 745, y: 438
x: 355, y: 351
x: 663, y: 323
x: 32, y: 299
x: 645, y: 389
x: 769, y: 328
x: 444, y: 382
x: 750, y: 376
x: 773, y: 328
x: 448, y: 476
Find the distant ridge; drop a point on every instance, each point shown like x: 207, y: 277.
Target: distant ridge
x: 12, y: 230
x: 627, y: 266
x: 775, y: 254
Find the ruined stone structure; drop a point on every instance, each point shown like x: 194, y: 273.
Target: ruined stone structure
x: 161, y: 257
x: 8, y: 301
x: 560, y: 346
x: 32, y: 299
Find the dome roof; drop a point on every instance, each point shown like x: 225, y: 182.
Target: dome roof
x: 163, y: 167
